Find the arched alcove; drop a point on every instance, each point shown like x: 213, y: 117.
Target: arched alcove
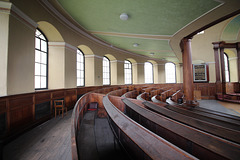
x: 86, y: 50
x: 50, y: 31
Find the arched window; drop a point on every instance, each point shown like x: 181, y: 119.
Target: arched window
x: 226, y: 69
x: 148, y: 72
x: 80, y: 68
x: 170, y: 72
x: 41, y: 60
x: 128, y: 72
x: 106, y: 71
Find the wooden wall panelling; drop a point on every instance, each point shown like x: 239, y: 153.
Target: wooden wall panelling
x: 3, y: 117
x: 58, y: 94
x: 42, y: 97
x: 70, y: 98
x: 17, y: 107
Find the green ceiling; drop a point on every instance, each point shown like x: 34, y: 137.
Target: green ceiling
x: 146, y: 17
x: 232, y: 30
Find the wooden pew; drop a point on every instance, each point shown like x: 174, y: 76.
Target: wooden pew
x: 198, y: 143
x: 143, y: 96
x: 200, y: 109
x: 155, y: 99
x: 118, y: 92
x: 164, y: 95
x: 221, y: 121
x: 177, y: 95
x: 80, y: 109
x: 139, y: 142
x: 220, y: 131
x: 157, y: 91
x: 131, y: 94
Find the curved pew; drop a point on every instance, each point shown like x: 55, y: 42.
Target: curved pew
x: 157, y: 91
x: 200, y: 109
x: 198, y: 143
x: 77, y: 114
x: 155, y: 100
x: 143, y: 96
x: 118, y: 92
x: 221, y: 121
x: 177, y: 95
x: 80, y: 109
x: 164, y: 95
x: 220, y: 131
x: 131, y: 94
x: 139, y: 142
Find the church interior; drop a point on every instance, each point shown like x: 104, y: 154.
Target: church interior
x: 89, y: 79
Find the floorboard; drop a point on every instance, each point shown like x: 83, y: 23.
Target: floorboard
x: 51, y: 141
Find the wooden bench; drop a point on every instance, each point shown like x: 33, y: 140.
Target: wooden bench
x: 156, y: 100
x: 177, y: 95
x: 131, y: 94
x: 118, y: 92
x: 139, y: 142
x: 198, y: 143
x: 211, y: 118
x: 157, y: 91
x: 220, y: 131
x: 143, y: 96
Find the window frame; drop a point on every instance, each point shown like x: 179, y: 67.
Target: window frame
x: 174, y: 74
x: 47, y: 60
x: 145, y: 74
x: 130, y: 74
x: 81, y: 52
x: 104, y: 72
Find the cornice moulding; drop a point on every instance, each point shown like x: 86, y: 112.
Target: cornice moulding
x: 63, y: 45
x: 93, y: 56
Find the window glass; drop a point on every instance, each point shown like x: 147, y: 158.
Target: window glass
x: 226, y: 68
x: 106, y: 71
x: 148, y: 72
x: 41, y: 60
x: 128, y: 72
x: 80, y: 68
x: 170, y: 72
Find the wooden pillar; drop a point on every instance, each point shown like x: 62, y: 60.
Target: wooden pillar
x: 222, y: 68
x: 216, y: 57
x: 238, y: 60
x: 188, y: 73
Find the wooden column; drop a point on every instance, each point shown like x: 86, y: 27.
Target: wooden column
x: 216, y: 57
x: 222, y: 68
x: 238, y: 60
x: 187, y: 73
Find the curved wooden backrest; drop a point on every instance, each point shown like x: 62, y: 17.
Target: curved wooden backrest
x: 192, y: 140
x: 220, y: 131
x: 131, y: 94
x: 118, y: 92
x: 140, y: 142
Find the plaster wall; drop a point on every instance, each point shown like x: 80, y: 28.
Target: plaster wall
x: 21, y: 57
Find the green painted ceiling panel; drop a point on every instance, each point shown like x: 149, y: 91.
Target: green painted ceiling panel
x: 146, y: 17
x: 161, y: 17
x: 232, y: 29
x: 144, y: 44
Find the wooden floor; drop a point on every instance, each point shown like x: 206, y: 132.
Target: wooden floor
x: 231, y: 106
x: 52, y: 140
x: 49, y: 141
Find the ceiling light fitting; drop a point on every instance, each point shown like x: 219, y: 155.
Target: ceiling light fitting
x: 124, y: 16
x: 135, y: 45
